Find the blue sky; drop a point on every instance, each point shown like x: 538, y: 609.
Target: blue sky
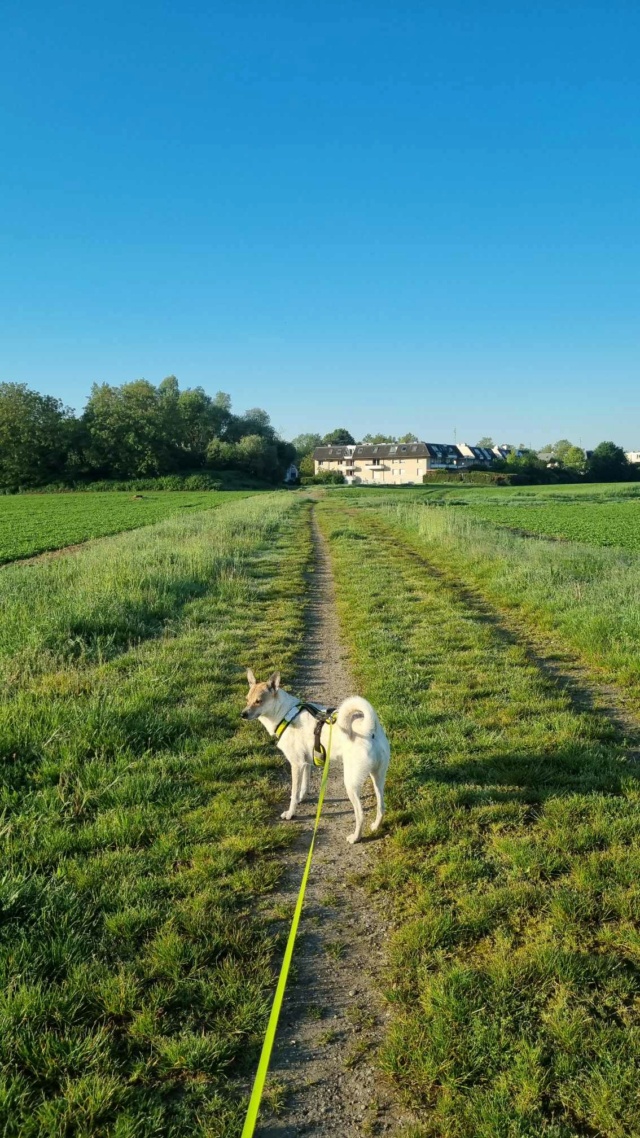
x: 400, y: 216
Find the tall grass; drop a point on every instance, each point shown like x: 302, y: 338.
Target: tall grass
x: 590, y: 595
x: 125, y: 588
x: 135, y: 824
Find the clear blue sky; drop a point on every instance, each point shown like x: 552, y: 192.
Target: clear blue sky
x: 398, y: 216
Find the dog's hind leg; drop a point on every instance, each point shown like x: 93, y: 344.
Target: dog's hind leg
x: 353, y: 789
x: 377, y: 778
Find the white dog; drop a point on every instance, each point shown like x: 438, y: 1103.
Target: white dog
x: 364, y: 752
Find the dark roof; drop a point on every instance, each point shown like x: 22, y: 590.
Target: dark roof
x: 483, y: 454
x: 330, y: 452
x: 375, y: 450
x: 438, y: 452
x: 441, y: 452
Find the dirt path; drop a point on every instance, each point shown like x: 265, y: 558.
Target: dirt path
x: 333, y: 1016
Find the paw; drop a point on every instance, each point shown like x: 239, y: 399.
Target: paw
x: 287, y: 815
x: 353, y: 838
x: 374, y: 825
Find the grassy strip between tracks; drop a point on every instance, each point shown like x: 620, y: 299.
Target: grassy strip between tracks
x: 137, y: 846
x: 590, y: 595
x: 512, y: 857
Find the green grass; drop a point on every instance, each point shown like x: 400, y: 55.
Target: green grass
x: 613, y: 523
x: 138, y: 846
x: 587, y: 596
x: 459, y: 494
x: 512, y: 857
x: 35, y: 523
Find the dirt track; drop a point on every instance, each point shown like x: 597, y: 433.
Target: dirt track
x: 334, y: 1013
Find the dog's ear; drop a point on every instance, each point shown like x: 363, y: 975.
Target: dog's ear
x: 273, y: 683
x: 251, y: 678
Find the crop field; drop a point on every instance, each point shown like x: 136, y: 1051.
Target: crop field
x: 604, y: 523
x: 35, y: 523
x: 141, y: 845
x: 607, y: 514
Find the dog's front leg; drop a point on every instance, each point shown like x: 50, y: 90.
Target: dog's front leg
x: 304, y: 783
x: 296, y: 773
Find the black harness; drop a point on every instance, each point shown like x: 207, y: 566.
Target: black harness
x: 322, y: 715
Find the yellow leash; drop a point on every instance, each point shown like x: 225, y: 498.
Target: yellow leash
x: 269, y: 1039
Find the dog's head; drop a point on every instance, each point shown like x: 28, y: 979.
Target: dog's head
x: 260, y: 697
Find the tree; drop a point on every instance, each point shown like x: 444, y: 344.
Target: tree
x: 286, y: 454
x: 220, y: 454
x: 527, y: 463
x: 307, y: 465
x: 257, y: 422
x: 36, y: 435
x: 199, y: 420
x: 557, y: 450
x: 306, y: 444
x: 132, y: 430
x: 339, y: 437
x: 258, y: 456
x: 222, y: 400
x: 486, y: 441
x: 608, y: 463
x: 574, y: 459
x: 373, y: 440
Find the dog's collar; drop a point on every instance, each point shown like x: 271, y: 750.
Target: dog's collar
x: 287, y: 718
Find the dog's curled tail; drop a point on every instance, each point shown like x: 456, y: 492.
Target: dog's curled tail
x: 359, y: 710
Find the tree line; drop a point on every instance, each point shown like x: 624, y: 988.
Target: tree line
x: 606, y: 463
x: 136, y: 430
x: 139, y: 430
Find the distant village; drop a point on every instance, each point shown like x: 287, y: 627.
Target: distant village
x: 408, y: 462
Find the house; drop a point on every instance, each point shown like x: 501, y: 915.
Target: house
x: 292, y: 475
x: 633, y: 456
x: 392, y: 464
x: 478, y: 456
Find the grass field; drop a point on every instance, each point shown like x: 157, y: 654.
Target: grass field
x: 587, y: 594
x: 513, y: 861
x: 604, y: 522
x: 34, y: 523
x: 138, y: 938
x: 605, y: 514
x: 136, y: 831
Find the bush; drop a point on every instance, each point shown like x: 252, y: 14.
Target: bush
x: 524, y: 477
x: 207, y: 480
x: 474, y: 477
x: 324, y: 478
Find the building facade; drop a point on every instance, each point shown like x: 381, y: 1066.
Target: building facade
x: 395, y: 464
